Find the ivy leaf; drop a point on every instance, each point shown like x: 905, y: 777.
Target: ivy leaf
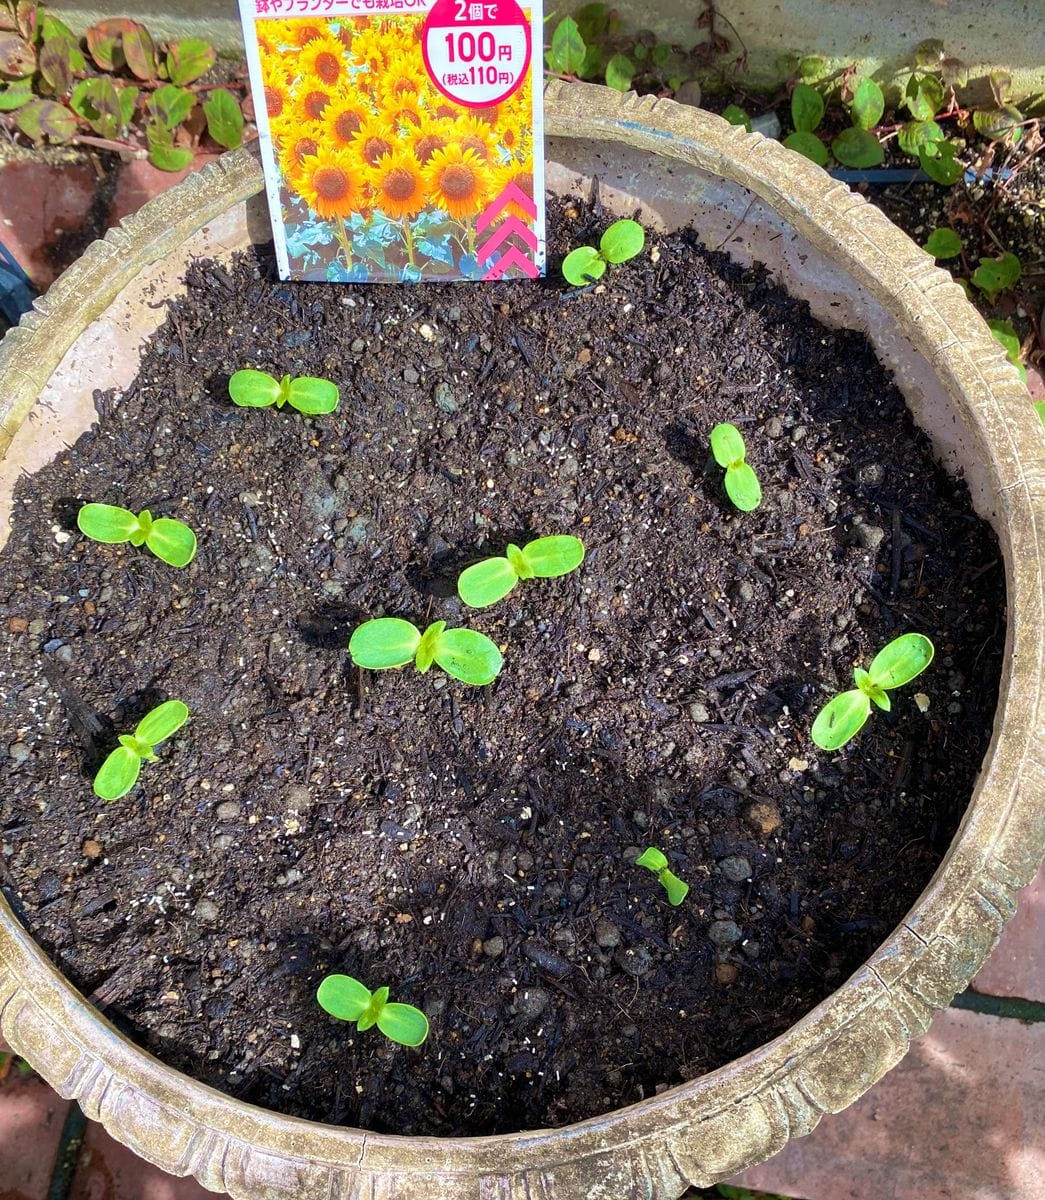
x: 224, y: 119
x: 140, y: 51
x: 915, y: 135
x: 868, y: 104
x: 858, y: 148
x: 620, y: 71
x: 807, y: 108
x: 188, y: 59
x: 938, y: 160
x: 17, y: 57
x: 997, y: 123
x: 808, y: 145
x: 923, y: 97
x: 995, y: 275
x: 567, y: 50
x: 46, y: 119
x: 944, y: 243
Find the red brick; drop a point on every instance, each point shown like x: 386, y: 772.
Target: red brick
x: 107, y: 1170
x: 140, y: 181
x: 38, y: 202
x: 962, y: 1117
x: 1017, y: 966
x: 31, y: 1119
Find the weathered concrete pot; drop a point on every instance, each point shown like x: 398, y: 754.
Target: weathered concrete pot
x: 756, y: 199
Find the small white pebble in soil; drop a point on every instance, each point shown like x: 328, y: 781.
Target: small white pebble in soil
x: 922, y: 700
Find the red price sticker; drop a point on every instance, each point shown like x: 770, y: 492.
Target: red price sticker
x: 477, y: 52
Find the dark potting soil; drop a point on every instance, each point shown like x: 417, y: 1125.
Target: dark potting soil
x: 473, y: 848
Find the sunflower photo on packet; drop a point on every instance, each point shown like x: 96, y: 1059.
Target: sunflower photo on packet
x: 402, y: 140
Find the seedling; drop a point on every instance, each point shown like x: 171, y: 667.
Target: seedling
x: 898, y: 663
x: 388, y: 642
x: 119, y: 773
x: 259, y: 389
x: 742, y: 486
x: 654, y: 860
x: 621, y: 241
x: 546, y: 558
x: 349, y: 1000
x: 170, y: 540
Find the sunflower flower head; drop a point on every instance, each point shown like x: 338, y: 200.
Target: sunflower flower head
x: 398, y: 185
x: 459, y: 181
x: 329, y: 184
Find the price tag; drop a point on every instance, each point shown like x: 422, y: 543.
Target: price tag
x: 477, y: 54
x: 402, y: 140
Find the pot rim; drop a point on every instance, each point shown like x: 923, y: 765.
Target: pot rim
x: 711, y: 1127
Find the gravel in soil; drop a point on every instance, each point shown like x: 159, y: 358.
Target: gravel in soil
x: 473, y: 848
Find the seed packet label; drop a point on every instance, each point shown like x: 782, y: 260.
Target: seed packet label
x: 402, y: 140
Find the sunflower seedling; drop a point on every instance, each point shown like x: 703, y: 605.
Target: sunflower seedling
x: 349, y: 1000
x: 488, y: 581
x: 898, y: 663
x: 258, y: 389
x: 656, y: 861
x: 119, y: 773
x: 621, y: 241
x: 742, y: 486
x: 388, y: 642
x: 170, y: 540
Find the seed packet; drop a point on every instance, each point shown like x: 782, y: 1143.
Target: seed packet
x: 402, y: 140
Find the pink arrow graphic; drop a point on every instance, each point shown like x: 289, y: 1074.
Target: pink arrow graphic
x: 512, y: 194
x: 513, y: 258
x: 504, y: 231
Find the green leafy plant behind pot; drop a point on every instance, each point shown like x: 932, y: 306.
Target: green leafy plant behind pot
x: 488, y: 581
x: 258, y: 389
x: 621, y: 241
x: 656, y: 861
x: 842, y: 718
x: 741, y: 482
x: 170, y: 540
x: 349, y: 1000
x: 389, y: 642
x: 119, y: 773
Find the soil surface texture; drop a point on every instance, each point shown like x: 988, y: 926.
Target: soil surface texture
x: 474, y: 848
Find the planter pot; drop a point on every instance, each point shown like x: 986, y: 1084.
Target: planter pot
x: 759, y: 202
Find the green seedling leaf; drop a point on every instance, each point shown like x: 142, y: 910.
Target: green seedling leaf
x: 344, y: 997
x: 253, y: 389
x: 17, y: 56
x: 735, y: 115
x: 550, y: 557
x: 807, y: 108
x: 567, y: 49
x: 162, y: 722
x: 139, y: 50
x: 425, y: 655
x: 620, y: 71
x: 41, y: 119
x: 727, y: 445
x: 622, y: 240
x: 901, y: 661
x: 808, y: 145
x: 486, y: 582
x: 468, y: 656
x: 118, y: 774
x: 656, y: 861
x: 384, y: 643
x: 939, y: 161
x: 107, y: 523
x: 225, y: 122
x: 1010, y: 340
x: 742, y: 487
x: 14, y: 95
x: 923, y: 97
x: 377, y: 1002
x: 915, y: 136
x: 841, y: 719
x: 857, y: 148
x: 312, y: 396
x: 583, y: 266
x: 403, y: 1023
x: 995, y: 275
x: 188, y: 59
x: 944, y: 243
x: 172, y: 541
x: 171, y: 105
x: 868, y: 105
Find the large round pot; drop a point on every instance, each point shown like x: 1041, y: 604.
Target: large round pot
x: 757, y: 201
